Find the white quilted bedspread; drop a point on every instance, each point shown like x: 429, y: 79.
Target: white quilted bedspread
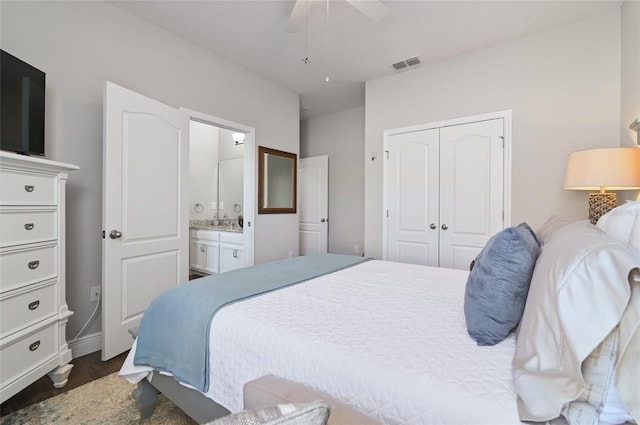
x: 387, y: 338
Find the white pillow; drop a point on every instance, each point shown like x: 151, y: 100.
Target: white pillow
x: 578, y: 294
x: 549, y: 228
x: 623, y: 223
x: 598, y: 373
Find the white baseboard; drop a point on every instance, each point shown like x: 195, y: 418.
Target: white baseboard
x: 86, y: 345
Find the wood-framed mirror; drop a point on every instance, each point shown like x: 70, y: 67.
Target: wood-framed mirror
x: 277, y: 182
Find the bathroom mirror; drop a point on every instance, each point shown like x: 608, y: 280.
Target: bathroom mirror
x: 277, y: 172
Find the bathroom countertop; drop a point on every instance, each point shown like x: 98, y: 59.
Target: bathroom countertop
x: 206, y: 225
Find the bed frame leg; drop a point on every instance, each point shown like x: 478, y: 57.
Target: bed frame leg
x: 145, y: 396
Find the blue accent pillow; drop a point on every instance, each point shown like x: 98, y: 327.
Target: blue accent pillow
x: 498, y: 284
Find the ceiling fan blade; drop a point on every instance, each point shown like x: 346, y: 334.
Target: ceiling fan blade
x: 374, y: 9
x: 297, y: 17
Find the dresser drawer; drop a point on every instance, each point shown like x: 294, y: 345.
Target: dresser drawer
x: 26, y: 266
x: 23, y: 188
x: 27, y: 353
x: 26, y: 309
x: 22, y: 227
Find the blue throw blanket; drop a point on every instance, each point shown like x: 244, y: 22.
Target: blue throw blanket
x: 174, y: 332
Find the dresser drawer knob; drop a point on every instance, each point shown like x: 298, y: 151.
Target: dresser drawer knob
x: 33, y: 305
x: 34, y: 346
x: 29, y: 188
x: 28, y: 226
x: 34, y: 264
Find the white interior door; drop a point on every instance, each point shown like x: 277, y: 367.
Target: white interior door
x: 471, y: 189
x: 145, y: 209
x: 413, y: 190
x: 313, y: 195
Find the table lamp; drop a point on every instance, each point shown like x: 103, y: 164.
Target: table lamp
x: 602, y: 170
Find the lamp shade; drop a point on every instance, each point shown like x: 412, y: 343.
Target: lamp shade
x: 603, y: 169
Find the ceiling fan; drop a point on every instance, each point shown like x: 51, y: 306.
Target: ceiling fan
x: 374, y: 9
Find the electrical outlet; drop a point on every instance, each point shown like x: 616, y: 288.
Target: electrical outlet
x: 290, y: 254
x: 96, y: 292
x: 356, y: 249
x: 213, y: 205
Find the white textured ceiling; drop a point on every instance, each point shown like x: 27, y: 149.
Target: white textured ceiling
x: 253, y: 34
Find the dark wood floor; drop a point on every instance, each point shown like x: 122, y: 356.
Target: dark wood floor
x: 85, y: 369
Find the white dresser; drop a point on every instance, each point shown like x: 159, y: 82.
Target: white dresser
x: 33, y: 307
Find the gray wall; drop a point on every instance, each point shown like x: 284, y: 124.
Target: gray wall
x: 630, y: 84
x: 630, y: 89
x: 563, y: 86
x: 341, y: 137
x: 80, y: 45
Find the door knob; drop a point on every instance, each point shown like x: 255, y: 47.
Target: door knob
x: 322, y: 220
x: 114, y: 234
x: 445, y: 227
x: 432, y: 226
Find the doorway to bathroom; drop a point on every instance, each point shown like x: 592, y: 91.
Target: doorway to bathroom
x: 222, y: 180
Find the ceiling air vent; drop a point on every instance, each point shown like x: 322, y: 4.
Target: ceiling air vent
x: 406, y: 63
x: 412, y: 61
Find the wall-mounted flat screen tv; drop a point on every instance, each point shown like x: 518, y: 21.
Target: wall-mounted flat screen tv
x: 22, y: 91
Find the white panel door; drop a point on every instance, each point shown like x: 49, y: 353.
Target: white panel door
x: 413, y: 187
x: 313, y: 196
x: 145, y: 209
x: 471, y: 189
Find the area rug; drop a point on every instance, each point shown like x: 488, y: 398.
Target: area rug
x: 106, y: 401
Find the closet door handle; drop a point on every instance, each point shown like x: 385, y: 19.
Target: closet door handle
x: 433, y: 226
x: 445, y: 227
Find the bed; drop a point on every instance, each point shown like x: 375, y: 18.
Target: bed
x: 389, y: 339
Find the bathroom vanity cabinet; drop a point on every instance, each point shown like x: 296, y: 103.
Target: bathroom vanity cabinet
x: 215, y: 251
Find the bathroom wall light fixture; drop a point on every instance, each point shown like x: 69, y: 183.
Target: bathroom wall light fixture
x: 238, y: 138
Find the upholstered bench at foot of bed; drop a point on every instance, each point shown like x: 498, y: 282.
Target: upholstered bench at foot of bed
x: 269, y: 390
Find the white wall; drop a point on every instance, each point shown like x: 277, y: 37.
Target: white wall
x: 630, y: 84
x: 203, y: 170
x: 630, y: 87
x: 80, y: 45
x: 341, y: 137
x: 563, y: 86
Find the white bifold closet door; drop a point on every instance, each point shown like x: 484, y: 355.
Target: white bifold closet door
x: 445, y: 191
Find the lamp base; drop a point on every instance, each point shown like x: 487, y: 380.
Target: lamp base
x: 600, y: 204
